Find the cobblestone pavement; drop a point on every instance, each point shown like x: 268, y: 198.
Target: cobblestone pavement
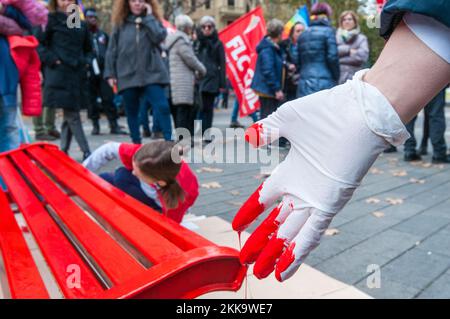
x: 397, y: 222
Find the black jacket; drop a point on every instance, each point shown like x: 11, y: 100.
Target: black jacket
x: 211, y: 53
x: 64, y: 84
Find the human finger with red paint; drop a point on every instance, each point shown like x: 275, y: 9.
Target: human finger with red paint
x: 335, y: 135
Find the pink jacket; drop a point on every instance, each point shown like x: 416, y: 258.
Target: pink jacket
x: 9, y: 26
x: 35, y: 11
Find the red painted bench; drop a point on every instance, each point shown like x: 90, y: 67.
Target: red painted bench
x: 97, y: 242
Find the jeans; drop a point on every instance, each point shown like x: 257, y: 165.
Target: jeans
x: 124, y: 180
x: 268, y: 106
x: 155, y: 94
x: 436, y: 126
x: 45, y: 123
x: 9, y: 131
x: 235, y: 113
x: 143, y: 114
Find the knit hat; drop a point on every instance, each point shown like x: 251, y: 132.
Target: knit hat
x: 207, y: 19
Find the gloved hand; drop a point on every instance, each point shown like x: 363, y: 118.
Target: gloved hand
x: 335, y: 135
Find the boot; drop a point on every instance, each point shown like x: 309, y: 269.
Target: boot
x: 115, y: 128
x: 96, y: 127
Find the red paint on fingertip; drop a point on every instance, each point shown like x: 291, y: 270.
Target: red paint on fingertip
x: 251, y: 209
x: 260, y: 237
x: 254, y: 134
x: 265, y: 263
x: 285, y: 261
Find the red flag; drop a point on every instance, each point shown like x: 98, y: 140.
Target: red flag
x: 240, y: 40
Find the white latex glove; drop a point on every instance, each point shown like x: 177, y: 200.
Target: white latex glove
x: 336, y: 135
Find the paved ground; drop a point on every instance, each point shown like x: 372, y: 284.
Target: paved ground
x: 398, y: 222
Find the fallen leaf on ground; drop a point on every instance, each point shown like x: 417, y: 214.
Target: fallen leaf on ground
x: 394, y: 201
x: 372, y: 200
x: 426, y: 165
x: 439, y: 166
x: 399, y: 173
x: 237, y: 204
x: 417, y: 181
x: 376, y: 171
x: 331, y: 232
x: 378, y: 214
x: 210, y: 170
x: 212, y: 185
x: 235, y: 193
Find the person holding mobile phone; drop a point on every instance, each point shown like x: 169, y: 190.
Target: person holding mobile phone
x: 134, y: 62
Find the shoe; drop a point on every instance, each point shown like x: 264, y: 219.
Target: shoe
x: 86, y: 155
x: 45, y: 137
x: 158, y: 136
x: 422, y: 151
x: 441, y: 160
x: 146, y: 133
x: 412, y: 157
x: 96, y: 127
x: 54, y: 133
x: 236, y: 124
x: 116, y: 130
x: 391, y: 149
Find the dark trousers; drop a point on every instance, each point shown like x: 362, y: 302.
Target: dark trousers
x: 185, y: 117
x: 101, y: 98
x: 207, y: 111
x: 124, y: 180
x: 268, y: 106
x: 155, y: 95
x: 436, y: 126
x: 71, y: 126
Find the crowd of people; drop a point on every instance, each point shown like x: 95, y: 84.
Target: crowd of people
x: 177, y: 76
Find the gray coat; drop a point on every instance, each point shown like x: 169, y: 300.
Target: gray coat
x: 183, y: 66
x: 134, y: 53
x: 351, y: 63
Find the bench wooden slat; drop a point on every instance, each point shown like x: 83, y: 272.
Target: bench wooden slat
x: 113, y: 259
x: 23, y: 275
x: 180, y: 236
x: 54, y: 246
x: 151, y: 244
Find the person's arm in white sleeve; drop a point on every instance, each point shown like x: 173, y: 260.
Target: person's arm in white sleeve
x: 102, y: 156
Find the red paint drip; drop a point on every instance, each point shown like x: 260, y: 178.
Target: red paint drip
x: 260, y: 237
x: 246, y: 273
x: 251, y: 209
x: 254, y: 135
x: 265, y: 263
x: 285, y: 261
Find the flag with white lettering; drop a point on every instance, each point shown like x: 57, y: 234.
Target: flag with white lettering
x: 240, y: 40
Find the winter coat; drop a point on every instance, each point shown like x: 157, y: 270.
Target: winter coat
x: 350, y: 63
x: 211, y: 53
x: 268, y: 78
x: 183, y: 64
x: 318, y: 58
x: 393, y: 12
x: 290, y: 55
x: 23, y: 51
x: 65, y: 83
x: 134, y: 53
